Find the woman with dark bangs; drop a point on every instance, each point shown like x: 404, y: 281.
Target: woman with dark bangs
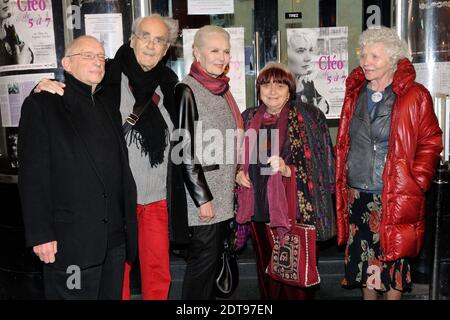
x: 303, y: 152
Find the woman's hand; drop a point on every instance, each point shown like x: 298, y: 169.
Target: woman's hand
x: 51, y: 86
x: 23, y: 54
x: 321, y: 103
x: 206, y: 212
x: 243, y: 179
x: 278, y: 164
x: 8, y: 22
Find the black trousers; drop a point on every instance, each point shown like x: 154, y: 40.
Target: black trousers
x: 102, y: 282
x: 204, y: 252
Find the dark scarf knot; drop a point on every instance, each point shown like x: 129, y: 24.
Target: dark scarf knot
x: 150, y: 134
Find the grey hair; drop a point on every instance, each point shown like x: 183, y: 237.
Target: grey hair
x: 396, y: 48
x: 308, y: 35
x: 171, y: 24
x: 203, y: 32
x: 71, y: 46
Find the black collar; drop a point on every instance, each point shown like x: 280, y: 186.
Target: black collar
x: 77, y: 91
x: 80, y: 87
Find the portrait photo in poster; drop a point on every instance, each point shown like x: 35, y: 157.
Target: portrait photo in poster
x: 27, y: 39
x: 318, y: 57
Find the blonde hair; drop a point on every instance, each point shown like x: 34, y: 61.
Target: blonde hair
x: 205, y: 31
x: 396, y: 48
x: 309, y: 36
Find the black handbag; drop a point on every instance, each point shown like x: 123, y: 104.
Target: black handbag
x: 227, y: 277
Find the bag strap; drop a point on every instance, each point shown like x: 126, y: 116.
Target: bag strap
x: 291, y: 195
x: 133, y: 117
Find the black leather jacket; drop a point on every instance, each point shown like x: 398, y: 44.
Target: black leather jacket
x: 369, y: 140
x: 193, y: 173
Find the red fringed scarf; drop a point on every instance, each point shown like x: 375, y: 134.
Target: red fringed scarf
x: 276, y: 196
x: 218, y: 86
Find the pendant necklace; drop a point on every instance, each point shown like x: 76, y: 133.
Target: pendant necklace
x: 376, y: 97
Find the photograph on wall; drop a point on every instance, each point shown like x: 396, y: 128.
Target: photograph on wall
x: 318, y: 57
x: 196, y: 7
x: 27, y: 39
x: 13, y: 91
x: 236, y: 71
x: 107, y: 27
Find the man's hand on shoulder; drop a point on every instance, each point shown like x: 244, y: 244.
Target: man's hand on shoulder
x: 51, y: 86
x: 47, y: 251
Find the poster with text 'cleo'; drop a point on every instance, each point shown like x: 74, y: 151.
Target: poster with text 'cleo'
x: 27, y: 39
x: 318, y: 57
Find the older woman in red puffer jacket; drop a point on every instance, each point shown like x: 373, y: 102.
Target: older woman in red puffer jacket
x: 387, y: 149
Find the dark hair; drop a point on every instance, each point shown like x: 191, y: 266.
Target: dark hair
x: 278, y: 73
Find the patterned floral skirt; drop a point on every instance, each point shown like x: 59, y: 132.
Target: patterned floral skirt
x: 363, y: 267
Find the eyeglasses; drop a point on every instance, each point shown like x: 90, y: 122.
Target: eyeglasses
x: 146, y: 38
x: 90, y: 56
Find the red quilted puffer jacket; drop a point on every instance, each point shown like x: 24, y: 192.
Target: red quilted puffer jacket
x: 415, y: 142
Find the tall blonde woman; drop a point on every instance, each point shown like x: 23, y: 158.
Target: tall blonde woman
x: 204, y: 96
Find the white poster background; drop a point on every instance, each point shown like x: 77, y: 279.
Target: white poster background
x: 237, y: 63
x: 13, y: 91
x: 330, y: 66
x: 35, y: 29
x: 107, y: 28
x: 210, y: 7
x: 435, y: 76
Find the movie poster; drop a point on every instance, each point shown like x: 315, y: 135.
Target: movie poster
x: 27, y: 39
x: 13, y: 91
x: 318, y: 57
